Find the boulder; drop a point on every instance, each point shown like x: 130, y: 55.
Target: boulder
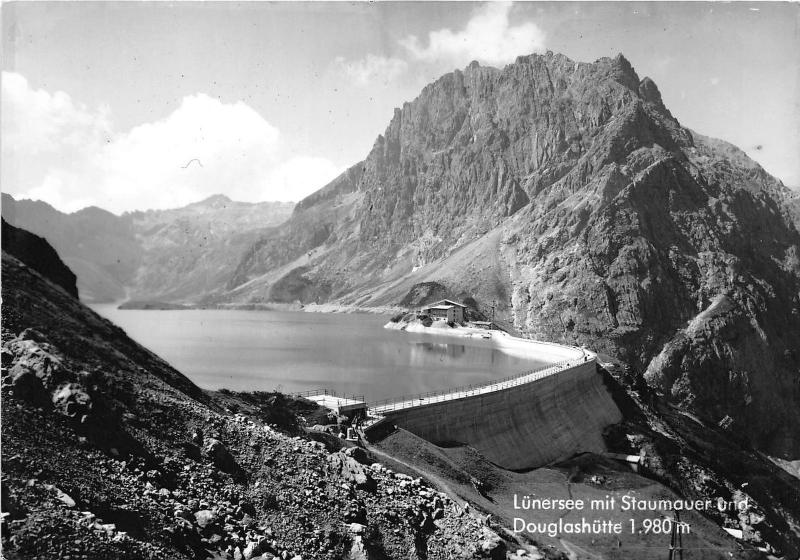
x: 359, y: 454
x: 34, y: 335
x: 64, y: 498
x: 205, y: 518
x: 71, y: 400
x: 219, y: 454
x: 352, y: 471
x: 31, y: 351
x: 252, y: 550
x: 491, y: 546
x: 357, y: 550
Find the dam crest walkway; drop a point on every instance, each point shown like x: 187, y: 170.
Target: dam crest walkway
x: 380, y: 408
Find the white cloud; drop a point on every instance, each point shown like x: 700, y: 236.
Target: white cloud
x: 41, y: 130
x: 35, y: 121
x: 372, y: 69
x: 488, y: 37
x: 234, y: 145
x: 62, y: 152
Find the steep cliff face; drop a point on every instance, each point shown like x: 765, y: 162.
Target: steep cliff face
x: 468, y: 153
x: 38, y: 255
x: 691, y: 266
x: 567, y: 198
x: 315, y: 222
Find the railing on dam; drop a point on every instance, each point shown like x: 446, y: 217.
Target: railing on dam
x: 380, y: 408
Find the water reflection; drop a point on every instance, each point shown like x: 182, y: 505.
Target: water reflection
x: 419, y: 349
x: 264, y: 350
x: 423, y: 352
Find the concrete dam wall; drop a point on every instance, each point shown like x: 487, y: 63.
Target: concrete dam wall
x: 550, y: 416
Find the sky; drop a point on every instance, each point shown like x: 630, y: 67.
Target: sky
x: 138, y: 105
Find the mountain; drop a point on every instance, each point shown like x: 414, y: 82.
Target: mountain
x: 108, y: 452
x: 97, y: 245
x: 191, y: 250
x: 40, y: 256
x: 567, y: 198
x: 158, y: 255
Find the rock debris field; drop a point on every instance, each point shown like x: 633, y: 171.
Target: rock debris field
x: 110, y: 453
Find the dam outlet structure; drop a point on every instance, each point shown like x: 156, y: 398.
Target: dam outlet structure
x: 520, y: 422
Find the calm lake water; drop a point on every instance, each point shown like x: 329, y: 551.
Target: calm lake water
x: 296, y: 351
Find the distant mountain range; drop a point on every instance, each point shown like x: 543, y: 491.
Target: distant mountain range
x: 157, y: 255
x: 563, y: 196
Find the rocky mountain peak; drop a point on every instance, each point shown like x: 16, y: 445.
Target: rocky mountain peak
x: 648, y: 90
x: 213, y: 201
x: 567, y: 198
x: 624, y: 72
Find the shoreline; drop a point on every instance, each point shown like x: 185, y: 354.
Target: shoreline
x: 512, y: 345
x: 143, y: 305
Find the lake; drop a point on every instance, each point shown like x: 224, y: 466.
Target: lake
x: 296, y: 351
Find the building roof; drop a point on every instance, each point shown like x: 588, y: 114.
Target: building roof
x: 440, y: 307
x: 451, y: 302
x: 338, y: 404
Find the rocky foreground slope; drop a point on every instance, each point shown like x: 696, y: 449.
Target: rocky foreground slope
x: 568, y: 199
x: 108, y: 452
x: 155, y: 255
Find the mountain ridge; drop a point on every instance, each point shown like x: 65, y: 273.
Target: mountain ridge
x: 171, y: 254
x: 567, y: 198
